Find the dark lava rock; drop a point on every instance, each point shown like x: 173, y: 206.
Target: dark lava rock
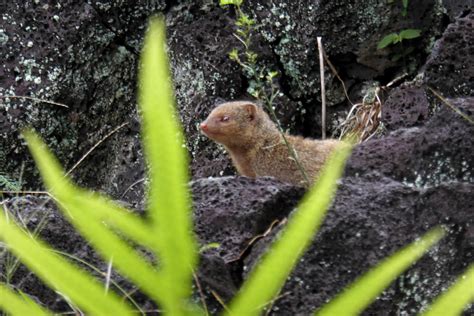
x: 371, y: 218
x: 440, y: 151
x: 291, y: 27
x: 455, y: 8
x: 405, y: 107
x: 83, y: 55
x: 233, y: 210
x: 449, y: 68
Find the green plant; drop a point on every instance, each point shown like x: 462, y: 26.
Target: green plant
x: 166, y: 277
x: 261, y: 79
x: 261, y: 84
x: 8, y: 184
x: 404, y: 4
x: 395, y: 38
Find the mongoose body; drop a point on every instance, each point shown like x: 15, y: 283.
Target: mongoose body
x: 257, y: 148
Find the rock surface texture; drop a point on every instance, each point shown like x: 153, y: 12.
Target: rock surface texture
x: 418, y: 174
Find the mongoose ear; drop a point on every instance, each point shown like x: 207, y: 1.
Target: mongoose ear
x: 251, y: 110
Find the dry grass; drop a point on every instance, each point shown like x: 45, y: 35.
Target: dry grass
x: 363, y: 120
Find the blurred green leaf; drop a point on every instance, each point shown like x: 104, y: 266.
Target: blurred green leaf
x: 405, y: 7
x: 227, y: 2
x: 17, y: 304
x: 357, y: 296
x: 169, y: 200
x: 78, y: 206
x: 270, y: 274
x: 387, y: 40
x: 410, y: 33
x: 453, y: 301
x: 86, y: 292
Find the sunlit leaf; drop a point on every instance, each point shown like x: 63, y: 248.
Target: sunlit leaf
x: 86, y: 292
x: 78, y: 207
x: 227, y: 2
x: 16, y: 304
x: 169, y: 200
x: 387, y: 40
x: 409, y: 34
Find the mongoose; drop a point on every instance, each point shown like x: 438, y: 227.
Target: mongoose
x: 256, y: 145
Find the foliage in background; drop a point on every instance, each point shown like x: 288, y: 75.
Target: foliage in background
x: 166, y: 233
x: 395, y: 38
x: 8, y: 184
x: 261, y: 85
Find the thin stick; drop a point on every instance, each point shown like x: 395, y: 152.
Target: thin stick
x: 94, y: 147
x: 221, y: 301
x: 32, y: 99
x: 25, y: 192
x: 452, y: 107
x: 201, y: 294
x: 131, y: 186
x: 323, y: 88
x: 334, y: 71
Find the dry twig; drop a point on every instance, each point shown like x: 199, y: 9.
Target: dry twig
x: 32, y: 99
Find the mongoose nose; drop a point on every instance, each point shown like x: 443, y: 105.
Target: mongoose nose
x: 203, y: 126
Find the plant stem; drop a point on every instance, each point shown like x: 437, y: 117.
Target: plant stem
x: 291, y: 150
x: 323, y: 88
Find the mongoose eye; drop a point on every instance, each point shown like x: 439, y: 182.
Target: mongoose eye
x: 225, y: 119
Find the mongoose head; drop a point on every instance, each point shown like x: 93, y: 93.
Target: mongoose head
x: 233, y: 124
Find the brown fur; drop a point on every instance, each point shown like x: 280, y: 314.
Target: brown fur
x: 257, y: 147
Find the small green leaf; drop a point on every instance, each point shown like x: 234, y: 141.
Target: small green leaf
x: 454, y: 300
x: 169, y: 199
x: 234, y: 54
x: 405, y: 7
x: 232, y: 2
x: 410, y: 33
x: 387, y: 40
x: 271, y: 75
x: 242, y: 33
x: 212, y: 245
